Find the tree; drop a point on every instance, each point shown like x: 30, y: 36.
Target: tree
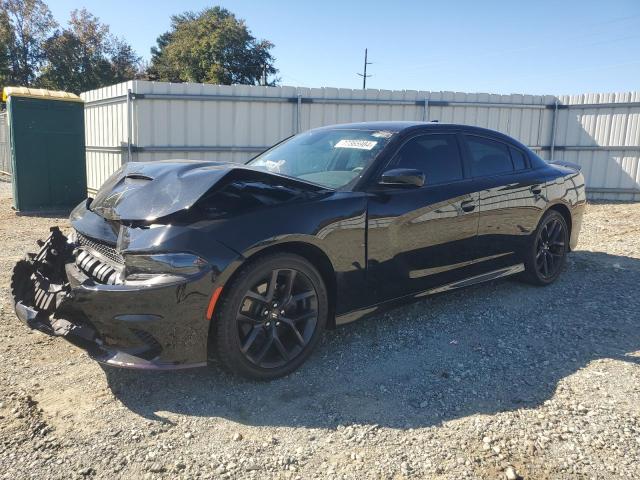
x: 24, y: 26
x: 85, y: 56
x: 211, y: 46
x: 6, y: 42
x: 125, y: 64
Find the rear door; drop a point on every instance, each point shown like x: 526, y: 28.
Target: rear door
x: 421, y: 237
x: 511, y: 197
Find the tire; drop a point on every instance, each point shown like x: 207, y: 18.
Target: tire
x: 546, y: 244
x: 266, y: 332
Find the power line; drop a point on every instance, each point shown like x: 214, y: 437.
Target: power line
x: 364, y: 75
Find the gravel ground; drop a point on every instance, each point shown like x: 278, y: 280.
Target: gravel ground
x: 501, y: 380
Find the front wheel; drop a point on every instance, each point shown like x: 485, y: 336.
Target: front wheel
x: 546, y: 253
x: 271, y: 316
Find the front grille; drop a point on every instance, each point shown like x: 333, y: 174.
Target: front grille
x: 96, y: 268
x: 98, y: 260
x: 103, y: 249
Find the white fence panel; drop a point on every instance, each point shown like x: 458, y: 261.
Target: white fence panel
x: 106, y: 132
x: 604, y: 137
x: 155, y: 121
x: 5, y: 148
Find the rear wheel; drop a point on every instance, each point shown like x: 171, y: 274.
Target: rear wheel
x: 546, y: 253
x: 271, y: 316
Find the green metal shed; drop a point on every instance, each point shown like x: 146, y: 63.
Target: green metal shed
x: 46, y: 131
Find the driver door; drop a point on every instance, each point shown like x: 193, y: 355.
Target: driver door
x: 422, y: 237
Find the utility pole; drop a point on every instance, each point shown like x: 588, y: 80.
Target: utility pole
x: 364, y: 75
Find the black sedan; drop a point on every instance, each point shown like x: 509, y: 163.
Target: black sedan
x: 176, y: 261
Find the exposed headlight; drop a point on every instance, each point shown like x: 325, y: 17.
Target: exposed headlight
x: 140, y: 267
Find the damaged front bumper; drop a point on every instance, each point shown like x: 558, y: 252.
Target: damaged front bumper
x: 143, y: 326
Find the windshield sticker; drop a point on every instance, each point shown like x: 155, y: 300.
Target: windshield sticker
x: 382, y: 134
x: 359, y: 144
x: 274, y: 166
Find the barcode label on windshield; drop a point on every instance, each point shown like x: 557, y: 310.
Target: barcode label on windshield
x: 359, y: 144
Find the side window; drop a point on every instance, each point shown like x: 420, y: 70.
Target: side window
x: 518, y: 158
x: 436, y: 155
x: 488, y: 157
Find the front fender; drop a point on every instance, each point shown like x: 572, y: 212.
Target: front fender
x: 334, y: 224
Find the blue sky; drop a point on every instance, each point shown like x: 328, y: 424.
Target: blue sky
x: 536, y: 47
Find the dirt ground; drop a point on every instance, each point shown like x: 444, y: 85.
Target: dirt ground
x: 501, y: 380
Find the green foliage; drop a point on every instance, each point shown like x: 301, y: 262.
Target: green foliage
x: 85, y: 56
x: 125, y: 64
x: 212, y: 46
x: 6, y: 41
x: 24, y: 25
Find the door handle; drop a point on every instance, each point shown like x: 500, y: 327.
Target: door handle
x: 468, y: 206
x: 536, y: 189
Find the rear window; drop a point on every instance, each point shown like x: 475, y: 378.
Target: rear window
x: 488, y: 157
x: 518, y: 158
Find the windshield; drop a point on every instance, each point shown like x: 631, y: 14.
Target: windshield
x: 332, y: 158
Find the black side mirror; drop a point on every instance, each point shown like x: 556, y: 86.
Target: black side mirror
x: 403, y: 176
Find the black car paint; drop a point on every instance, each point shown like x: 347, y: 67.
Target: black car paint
x: 374, y: 244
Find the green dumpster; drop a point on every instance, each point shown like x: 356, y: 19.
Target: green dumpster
x: 46, y: 131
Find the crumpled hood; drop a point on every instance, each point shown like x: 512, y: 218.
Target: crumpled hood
x: 150, y: 190
x: 145, y: 191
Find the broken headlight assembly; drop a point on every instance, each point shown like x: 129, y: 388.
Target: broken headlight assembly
x: 161, y: 267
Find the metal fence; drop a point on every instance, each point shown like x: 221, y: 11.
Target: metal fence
x: 141, y: 120
x: 5, y: 147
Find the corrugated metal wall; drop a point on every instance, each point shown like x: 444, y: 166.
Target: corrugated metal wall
x: 601, y: 132
x: 5, y: 148
x: 106, y: 117
x: 157, y: 121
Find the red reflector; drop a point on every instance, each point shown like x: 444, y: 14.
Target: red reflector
x: 212, y: 302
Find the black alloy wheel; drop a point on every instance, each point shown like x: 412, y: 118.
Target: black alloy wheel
x: 550, y: 248
x: 277, y: 318
x: 272, y: 317
x: 548, y: 254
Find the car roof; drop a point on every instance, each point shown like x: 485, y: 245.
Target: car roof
x: 409, y: 126
x: 392, y: 126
